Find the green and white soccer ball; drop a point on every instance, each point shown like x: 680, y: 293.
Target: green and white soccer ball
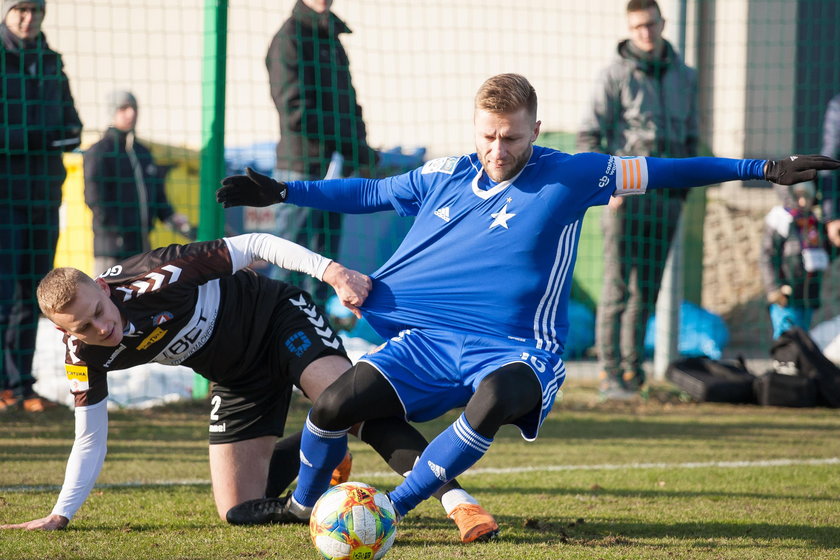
x: 353, y: 521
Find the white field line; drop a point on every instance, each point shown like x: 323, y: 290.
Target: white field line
x: 491, y: 470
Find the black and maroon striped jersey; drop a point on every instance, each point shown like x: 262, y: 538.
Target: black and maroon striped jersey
x: 185, y: 305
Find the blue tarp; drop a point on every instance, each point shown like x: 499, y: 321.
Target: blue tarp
x: 702, y: 333
x: 581, y: 330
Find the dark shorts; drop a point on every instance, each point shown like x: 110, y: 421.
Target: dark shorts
x: 300, y: 334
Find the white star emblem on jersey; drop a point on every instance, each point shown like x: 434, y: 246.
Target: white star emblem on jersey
x: 501, y: 218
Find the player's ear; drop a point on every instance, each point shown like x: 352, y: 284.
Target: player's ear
x: 103, y: 285
x: 59, y: 329
x: 536, y: 132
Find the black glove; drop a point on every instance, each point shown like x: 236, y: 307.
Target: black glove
x: 796, y: 169
x: 251, y: 189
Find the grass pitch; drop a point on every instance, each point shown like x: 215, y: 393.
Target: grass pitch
x: 661, y: 479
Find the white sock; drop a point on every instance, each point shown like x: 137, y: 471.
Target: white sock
x: 301, y: 512
x: 455, y: 498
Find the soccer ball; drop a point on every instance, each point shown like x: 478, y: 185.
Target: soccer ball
x: 353, y: 521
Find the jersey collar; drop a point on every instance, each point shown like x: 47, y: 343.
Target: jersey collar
x: 491, y: 192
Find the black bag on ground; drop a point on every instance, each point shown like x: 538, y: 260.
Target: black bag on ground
x: 782, y: 389
x: 796, y: 352
x: 707, y: 380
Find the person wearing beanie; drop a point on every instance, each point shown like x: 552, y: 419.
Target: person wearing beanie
x: 25, y: 28
x: 118, y: 99
x: 795, y: 252
x: 38, y: 123
x: 125, y: 188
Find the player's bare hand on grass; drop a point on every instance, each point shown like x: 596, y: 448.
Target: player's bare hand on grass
x: 351, y: 287
x: 48, y: 523
x: 251, y: 189
x: 796, y: 169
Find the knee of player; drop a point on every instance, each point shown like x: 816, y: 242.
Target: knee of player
x: 333, y: 411
x: 489, y: 402
x: 512, y: 389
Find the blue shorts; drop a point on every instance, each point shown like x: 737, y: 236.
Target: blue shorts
x: 435, y: 371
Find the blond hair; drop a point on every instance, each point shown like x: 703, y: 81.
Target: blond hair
x: 507, y: 93
x: 58, y: 288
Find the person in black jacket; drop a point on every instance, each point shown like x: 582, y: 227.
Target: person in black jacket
x: 309, y: 75
x: 38, y: 123
x: 125, y: 189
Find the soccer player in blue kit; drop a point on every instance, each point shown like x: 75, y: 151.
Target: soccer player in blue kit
x: 474, y: 300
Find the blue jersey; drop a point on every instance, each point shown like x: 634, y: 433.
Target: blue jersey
x: 497, y: 258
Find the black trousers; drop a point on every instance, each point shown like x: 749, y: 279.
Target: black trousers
x: 28, y: 240
x: 637, y: 239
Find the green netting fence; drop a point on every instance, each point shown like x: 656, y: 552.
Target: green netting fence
x: 766, y: 70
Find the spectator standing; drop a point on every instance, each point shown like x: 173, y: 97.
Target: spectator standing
x: 309, y: 75
x: 794, y: 255
x: 829, y: 181
x: 38, y: 123
x: 125, y: 189
x: 645, y: 104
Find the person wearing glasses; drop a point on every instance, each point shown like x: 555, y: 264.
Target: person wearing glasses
x: 644, y: 104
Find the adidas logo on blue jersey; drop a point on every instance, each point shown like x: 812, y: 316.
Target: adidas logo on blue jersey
x: 443, y: 213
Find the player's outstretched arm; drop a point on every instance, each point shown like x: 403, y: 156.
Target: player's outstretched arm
x: 49, y: 523
x: 83, y: 468
x: 700, y: 171
x: 351, y: 287
x: 248, y: 247
x: 251, y: 189
x: 796, y: 169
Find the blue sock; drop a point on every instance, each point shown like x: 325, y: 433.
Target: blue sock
x: 455, y: 450
x: 320, y: 453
